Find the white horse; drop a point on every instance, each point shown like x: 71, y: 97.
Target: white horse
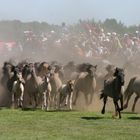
x: 18, y: 91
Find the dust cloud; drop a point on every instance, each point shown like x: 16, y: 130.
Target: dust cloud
x: 64, y: 56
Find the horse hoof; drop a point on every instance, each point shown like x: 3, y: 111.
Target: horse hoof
x: 70, y: 109
x: 47, y: 109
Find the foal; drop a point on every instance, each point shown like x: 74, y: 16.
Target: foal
x: 46, y: 90
x: 18, y: 91
x: 66, y: 94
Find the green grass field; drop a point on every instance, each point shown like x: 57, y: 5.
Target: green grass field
x: 39, y: 125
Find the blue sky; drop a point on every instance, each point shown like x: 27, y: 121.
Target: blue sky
x: 70, y: 11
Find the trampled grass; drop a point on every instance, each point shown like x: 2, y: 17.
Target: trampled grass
x: 39, y: 125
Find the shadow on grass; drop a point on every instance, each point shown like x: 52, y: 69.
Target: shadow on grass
x: 32, y: 109
x: 29, y: 109
x: 59, y: 111
x: 91, y: 118
x: 129, y: 113
x: 134, y: 118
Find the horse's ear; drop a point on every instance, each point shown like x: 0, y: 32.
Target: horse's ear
x: 116, y: 71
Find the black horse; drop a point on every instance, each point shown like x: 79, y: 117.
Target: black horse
x: 113, y: 88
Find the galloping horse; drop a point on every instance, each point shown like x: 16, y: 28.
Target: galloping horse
x: 113, y: 89
x: 66, y: 94
x: 18, y: 91
x: 133, y: 87
x: 86, y: 83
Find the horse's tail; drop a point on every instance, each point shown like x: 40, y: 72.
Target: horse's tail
x: 128, y: 89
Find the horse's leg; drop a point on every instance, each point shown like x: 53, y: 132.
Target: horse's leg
x: 76, y: 97
x: 60, y: 101
x: 91, y: 97
x: 126, y: 104
x: 116, y: 111
x: 57, y: 100
x: 67, y: 98
x: 21, y: 95
x: 86, y: 98
x: 13, y: 100
x: 104, y: 100
x: 47, y: 100
x: 31, y: 100
x: 44, y: 100
x: 63, y: 100
x: 121, y: 101
x: 35, y: 100
x: 21, y: 100
x: 117, y: 108
x: 134, y: 104
x: 51, y: 99
x: 119, y: 111
x: 16, y: 102
x: 70, y: 100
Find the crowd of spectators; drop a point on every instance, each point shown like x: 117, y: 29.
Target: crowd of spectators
x: 87, y: 41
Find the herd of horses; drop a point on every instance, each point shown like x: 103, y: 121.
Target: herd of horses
x: 52, y: 85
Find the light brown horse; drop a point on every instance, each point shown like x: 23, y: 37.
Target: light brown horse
x: 86, y: 83
x: 32, y: 85
x: 56, y: 84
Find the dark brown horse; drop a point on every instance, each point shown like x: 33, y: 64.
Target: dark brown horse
x: 113, y: 89
x: 7, y: 73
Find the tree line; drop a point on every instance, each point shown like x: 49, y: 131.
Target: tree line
x: 13, y: 29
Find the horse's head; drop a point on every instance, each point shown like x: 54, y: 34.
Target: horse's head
x: 70, y: 85
x: 47, y: 80
x: 19, y: 77
x: 27, y: 69
x: 92, y: 70
x: 7, y: 68
x: 119, y: 73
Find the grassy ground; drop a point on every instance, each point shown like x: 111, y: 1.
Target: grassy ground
x: 39, y: 125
